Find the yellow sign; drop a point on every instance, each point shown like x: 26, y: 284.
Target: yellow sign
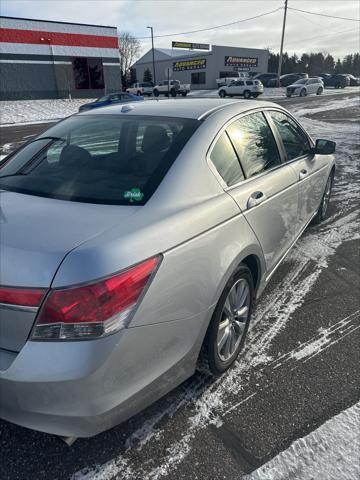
x: 196, y: 64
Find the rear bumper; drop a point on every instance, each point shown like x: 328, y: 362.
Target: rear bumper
x: 79, y: 389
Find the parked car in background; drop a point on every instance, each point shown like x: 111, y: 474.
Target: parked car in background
x: 287, y: 79
x: 265, y: 78
x: 172, y: 88
x: 305, y: 86
x: 246, y: 88
x: 228, y: 77
x: 338, y: 80
x: 110, y: 99
x: 144, y: 88
x: 354, y: 81
x: 134, y: 246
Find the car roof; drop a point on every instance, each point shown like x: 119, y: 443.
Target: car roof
x: 196, y: 108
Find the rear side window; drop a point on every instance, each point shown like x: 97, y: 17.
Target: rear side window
x: 254, y: 144
x: 294, y: 139
x: 109, y: 159
x: 226, y: 162
x: 248, y: 82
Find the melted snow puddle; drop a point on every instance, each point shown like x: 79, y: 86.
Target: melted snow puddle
x: 330, y: 452
x: 211, y: 403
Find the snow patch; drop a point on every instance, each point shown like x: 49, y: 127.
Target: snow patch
x: 329, y: 453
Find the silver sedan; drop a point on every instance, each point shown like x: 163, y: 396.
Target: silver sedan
x: 134, y: 242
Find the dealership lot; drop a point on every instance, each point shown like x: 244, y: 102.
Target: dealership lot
x: 299, y: 368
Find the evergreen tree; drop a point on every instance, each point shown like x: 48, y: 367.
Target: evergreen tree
x: 147, y: 76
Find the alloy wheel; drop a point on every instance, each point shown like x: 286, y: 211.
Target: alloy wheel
x: 233, y: 319
x: 326, y: 198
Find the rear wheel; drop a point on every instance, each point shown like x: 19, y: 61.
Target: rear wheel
x: 319, y: 91
x: 324, y: 204
x: 184, y: 94
x: 173, y: 93
x: 247, y: 94
x: 303, y: 92
x: 138, y: 93
x: 222, y: 94
x: 226, y: 334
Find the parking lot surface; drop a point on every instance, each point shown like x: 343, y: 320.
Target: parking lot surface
x: 299, y: 368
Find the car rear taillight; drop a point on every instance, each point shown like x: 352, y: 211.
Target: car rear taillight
x: 95, y: 309
x: 24, y: 297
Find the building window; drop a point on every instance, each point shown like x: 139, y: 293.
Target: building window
x: 88, y: 73
x: 198, y: 78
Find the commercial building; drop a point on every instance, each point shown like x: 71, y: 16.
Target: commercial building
x: 45, y: 59
x: 202, y: 68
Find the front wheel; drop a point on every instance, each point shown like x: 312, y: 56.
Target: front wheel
x: 156, y: 93
x: 173, y: 93
x: 303, y: 92
x: 324, y: 204
x: 226, y: 333
x: 247, y: 94
x: 222, y: 94
x: 138, y: 93
x: 319, y: 91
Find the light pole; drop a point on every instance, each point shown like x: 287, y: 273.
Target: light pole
x: 153, y: 53
x: 282, y: 44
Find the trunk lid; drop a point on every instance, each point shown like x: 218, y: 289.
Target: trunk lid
x: 36, y: 233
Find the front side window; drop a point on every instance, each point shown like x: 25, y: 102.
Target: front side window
x: 294, y: 139
x: 254, y: 144
x: 226, y: 162
x: 98, y: 159
x: 248, y: 82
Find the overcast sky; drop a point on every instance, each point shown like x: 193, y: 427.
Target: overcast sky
x: 303, y: 32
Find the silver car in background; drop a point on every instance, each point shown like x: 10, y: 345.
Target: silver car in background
x: 134, y: 241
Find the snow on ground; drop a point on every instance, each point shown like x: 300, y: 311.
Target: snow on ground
x: 208, y: 404
x: 329, y: 453
x: 35, y: 111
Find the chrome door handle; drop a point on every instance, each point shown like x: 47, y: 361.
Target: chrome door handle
x: 255, y: 199
x: 303, y: 173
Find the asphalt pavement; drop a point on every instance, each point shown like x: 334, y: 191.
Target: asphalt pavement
x: 300, y: 366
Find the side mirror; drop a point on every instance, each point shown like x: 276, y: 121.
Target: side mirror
x: 324, y: 147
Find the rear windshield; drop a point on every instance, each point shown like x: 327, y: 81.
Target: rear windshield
x: 98, y: 158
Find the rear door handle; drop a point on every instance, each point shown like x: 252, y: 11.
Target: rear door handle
x: 303, y: 173
x: 255, y: 199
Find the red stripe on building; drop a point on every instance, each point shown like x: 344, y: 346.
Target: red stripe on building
x: 11, y: 35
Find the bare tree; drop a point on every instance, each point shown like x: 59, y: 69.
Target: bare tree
x: 129, y: 49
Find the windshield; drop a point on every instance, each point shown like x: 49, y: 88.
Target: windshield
x: 98, y: 158
x: 302, y: 81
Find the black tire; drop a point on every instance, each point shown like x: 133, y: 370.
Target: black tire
x: 303, y: 92
x: 184, y: 94
x: 319, y: 91
x: 173, y: 92
x: 138, y: 93
x: 222, y: 94
x: 156, y: 93
x: 325, y: 200
x: 247, y: 94
x: 209, y: 361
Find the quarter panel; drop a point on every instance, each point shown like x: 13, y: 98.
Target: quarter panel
x: 192, y: 276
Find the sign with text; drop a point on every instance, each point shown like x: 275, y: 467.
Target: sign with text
x: 196, y: 64
x: 192, y: 46
x: 232, y: 61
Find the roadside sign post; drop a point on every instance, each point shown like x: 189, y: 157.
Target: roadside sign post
x: 168, y: 74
